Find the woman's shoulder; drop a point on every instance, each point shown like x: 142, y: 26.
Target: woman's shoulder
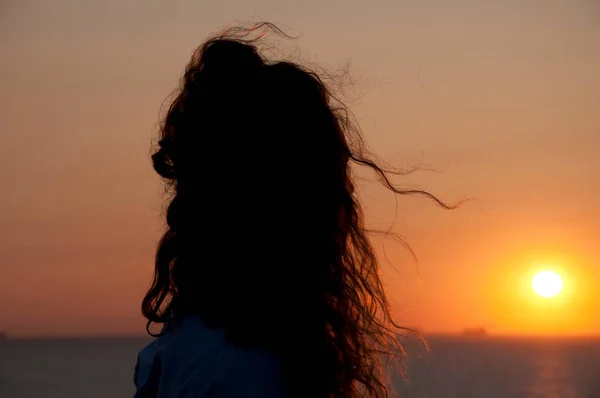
x: 191, y: 360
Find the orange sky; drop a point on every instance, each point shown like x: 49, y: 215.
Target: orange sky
x: 501, y: 96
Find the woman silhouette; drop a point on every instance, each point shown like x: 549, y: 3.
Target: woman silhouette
x: 265, y: 282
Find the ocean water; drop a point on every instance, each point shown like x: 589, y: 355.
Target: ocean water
x: 504, y: 368
x: 455, y: 368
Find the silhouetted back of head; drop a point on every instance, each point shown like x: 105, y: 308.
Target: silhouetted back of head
x: 265, y: 237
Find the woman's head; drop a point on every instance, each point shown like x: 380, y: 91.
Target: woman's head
x: 265, y: 236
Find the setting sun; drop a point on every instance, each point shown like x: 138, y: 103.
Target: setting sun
x: 547, y: 283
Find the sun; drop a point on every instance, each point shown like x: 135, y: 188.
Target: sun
x: 547, y: 283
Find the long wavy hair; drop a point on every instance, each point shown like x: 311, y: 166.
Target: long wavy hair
x: 265, y: 236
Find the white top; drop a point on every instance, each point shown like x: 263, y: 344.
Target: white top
x: 193, y: 361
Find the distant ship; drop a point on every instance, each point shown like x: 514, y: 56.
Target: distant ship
x: 475, y: 332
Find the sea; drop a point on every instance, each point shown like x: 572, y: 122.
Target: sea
x: 452, y: 367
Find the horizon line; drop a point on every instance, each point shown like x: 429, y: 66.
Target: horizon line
x: 142, y: 335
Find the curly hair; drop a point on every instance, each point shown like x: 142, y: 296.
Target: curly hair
x: 265, y: 235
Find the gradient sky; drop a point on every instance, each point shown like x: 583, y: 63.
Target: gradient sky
x: 503, y: 97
